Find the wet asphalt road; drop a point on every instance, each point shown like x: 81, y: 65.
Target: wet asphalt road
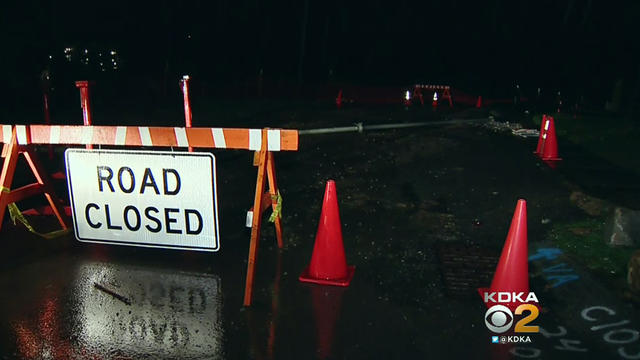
x: 403, y: 195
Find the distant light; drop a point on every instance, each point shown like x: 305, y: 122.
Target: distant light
x: 435, y: 96
x: 185, y: 77
x: 101, y: 64
x: 50, y: 57
x: 188, y: 36
x: 86, y: 51
x: 99, y: 54
x: 407, y: 95
x: 68, y: 50
x: 113, y: 52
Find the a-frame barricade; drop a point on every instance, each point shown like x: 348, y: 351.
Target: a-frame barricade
x: 446, y: 92
x: 11, y: 152
x: 263, y: 159
x: 263, y: 141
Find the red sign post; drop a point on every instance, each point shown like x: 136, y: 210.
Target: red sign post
x: 85, y: 103
x: 184, y: 85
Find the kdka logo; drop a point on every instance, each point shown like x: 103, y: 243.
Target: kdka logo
x: 503, y: 308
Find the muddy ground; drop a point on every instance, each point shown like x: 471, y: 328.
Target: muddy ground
x: 425, y: 212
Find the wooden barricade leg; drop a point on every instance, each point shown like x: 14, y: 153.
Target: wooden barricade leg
x: 264, y: 160
x: 261, y: 158
x: 47, y: 187
x: 10, y: 153
x: 418, y: 92
x: 273, y: 191
x: 42, y: 186
x: 447, y: 94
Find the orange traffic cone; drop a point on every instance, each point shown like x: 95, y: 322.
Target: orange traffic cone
x: 328, y: 263
x: 479, y: 102
x: 407, y: 98
x: 541, y: 137
x: 512, y: 273
x: 339, y: 99
x: 550, y: 144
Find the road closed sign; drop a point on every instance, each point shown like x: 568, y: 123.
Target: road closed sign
x: 144, y: 198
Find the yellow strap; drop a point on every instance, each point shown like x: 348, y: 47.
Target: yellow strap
x: 16, y: 215
x: 277, y: 212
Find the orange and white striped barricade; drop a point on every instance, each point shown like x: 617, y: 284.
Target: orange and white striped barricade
x: 444, y: 89
x: 20, y: 138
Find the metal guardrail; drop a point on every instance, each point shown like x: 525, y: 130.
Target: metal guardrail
x: 360, y: 127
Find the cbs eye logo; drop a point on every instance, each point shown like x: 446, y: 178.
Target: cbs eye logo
x: 499, y: 319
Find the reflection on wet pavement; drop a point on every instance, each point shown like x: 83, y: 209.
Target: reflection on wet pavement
x: 171, y: 314
x: 167, y: 315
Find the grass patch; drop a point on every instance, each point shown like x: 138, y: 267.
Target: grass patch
x: 583, y: 241
x: 605, y: 135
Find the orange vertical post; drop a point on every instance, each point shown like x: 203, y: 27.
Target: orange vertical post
x: 184, y: 85
x: 85, y: 104
x: 47, y: 116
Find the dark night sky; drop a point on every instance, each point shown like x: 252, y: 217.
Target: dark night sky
x: 584, y: 45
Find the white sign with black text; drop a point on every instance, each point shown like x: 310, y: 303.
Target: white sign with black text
x: 144, y: 198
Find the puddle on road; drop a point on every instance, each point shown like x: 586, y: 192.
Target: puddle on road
x: 171, y: 314
x: 98, y: 309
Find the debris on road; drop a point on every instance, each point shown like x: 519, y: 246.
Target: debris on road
x: 112, y: 293
x: 515, y: 128
x: 526, y: 132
